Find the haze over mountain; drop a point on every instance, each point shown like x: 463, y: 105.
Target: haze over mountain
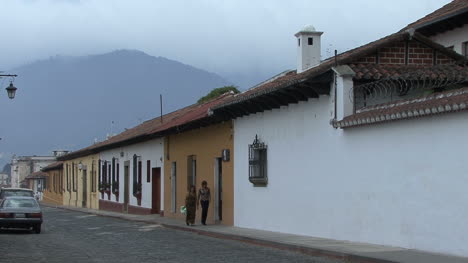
x: 68, y: 102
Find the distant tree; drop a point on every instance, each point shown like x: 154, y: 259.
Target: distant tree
x: 217, y: 92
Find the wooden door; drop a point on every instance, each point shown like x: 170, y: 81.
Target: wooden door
x: 218, y: 189
x: 156, y: 190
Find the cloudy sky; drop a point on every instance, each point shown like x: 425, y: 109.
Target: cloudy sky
x: 245, y: 38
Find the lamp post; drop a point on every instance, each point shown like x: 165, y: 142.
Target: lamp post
x: 11, y: 90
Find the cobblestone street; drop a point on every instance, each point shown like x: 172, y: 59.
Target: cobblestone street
x: 77, y: 237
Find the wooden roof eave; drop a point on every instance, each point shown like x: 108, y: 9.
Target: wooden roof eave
x: 451, y: 21
x: 289, y: 93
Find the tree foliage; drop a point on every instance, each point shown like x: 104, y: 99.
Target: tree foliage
x: 217, y: 92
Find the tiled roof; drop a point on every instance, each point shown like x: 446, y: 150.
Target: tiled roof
x: 36, y: 175
x: 444, y: 102
x: 53, y: 166
x: 347, y: 57
x: 447, y: 10
x: 194, y: 113
x: 151, y: 128
x: 379, y: 71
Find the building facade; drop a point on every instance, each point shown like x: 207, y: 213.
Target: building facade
x: 36, y: 182
x: 362, y: 147
x: 22, y: 166
x: 81, y: 181
x: 132, y: 178
x: 195, y: 156
x: 54, y: 186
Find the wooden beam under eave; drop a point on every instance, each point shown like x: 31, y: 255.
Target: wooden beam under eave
x: 282, y: 100
x: 263, y: 103
x: 307, y: 91
x: 225, y: 114
x: 298, y: 95
x: 253, y: 107
x: 292, y: 98
x: 273, y: 101
x: 239, y: 110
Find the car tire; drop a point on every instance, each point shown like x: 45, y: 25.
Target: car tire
x: 37, y: 229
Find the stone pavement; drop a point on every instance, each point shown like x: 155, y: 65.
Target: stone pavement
x: 348, y: 251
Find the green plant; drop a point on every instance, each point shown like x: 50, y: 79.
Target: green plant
x: 138, y: 190
x: 104, y: 186
x: 218, y: 92
x: 115, y: 187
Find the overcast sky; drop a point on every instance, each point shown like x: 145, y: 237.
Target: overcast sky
x: 236, y: 37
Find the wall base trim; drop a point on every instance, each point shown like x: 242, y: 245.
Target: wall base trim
x: 110, y: 206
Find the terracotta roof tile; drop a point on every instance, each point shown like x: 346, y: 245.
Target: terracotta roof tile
x: 171, y: 120
x: 36, y: 175
x: 447, y: 10
x: 53, y: 166
x: 379, y: 71
x: 437, y: 103
x: 347, y: 57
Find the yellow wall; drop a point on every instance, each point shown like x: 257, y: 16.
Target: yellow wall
x: 53, y: 194
x: 205, y: 144
x: 73, y: 196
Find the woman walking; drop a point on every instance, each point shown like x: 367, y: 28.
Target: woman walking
x: 191, y: 205
x: 204, y: 197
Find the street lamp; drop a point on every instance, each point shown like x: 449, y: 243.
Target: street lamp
x: 11, y: 90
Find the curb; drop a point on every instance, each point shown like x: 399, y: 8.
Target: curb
x: 318, y: 252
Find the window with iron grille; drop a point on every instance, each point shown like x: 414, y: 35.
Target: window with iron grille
x: 148, y: 171
x: 93, y: 177
x: 73, y: 178
x: 68, y: 177
x: 258, y: 163
x: 137, y: 169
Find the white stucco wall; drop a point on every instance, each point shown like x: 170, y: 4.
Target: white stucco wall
x: 23, y: 166
x: 453, y: 38
x: 400, y: 184
x: 152, y: 150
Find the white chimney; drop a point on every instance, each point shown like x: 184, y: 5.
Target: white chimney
x: 308, y: 48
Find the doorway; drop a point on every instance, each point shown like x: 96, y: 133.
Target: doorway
x: 156, y: 190
x: 126, y: 182
x: 218, y: 195
x: 85, y: 188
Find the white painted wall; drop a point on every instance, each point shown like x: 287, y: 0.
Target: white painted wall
x: 401, y: 184
x: 453, y: 38
x: 23, y: 166
x: 152, y: 150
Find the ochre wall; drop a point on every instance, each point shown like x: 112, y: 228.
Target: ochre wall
x: 53, y: 194
x: 74, y: 196
x: 206, y: 144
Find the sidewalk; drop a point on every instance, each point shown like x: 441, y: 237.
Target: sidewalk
x: 348, y: 251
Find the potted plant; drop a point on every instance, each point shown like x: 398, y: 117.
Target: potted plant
x: 138, y: 192
x: 102, y: 187
x: 115, y: 187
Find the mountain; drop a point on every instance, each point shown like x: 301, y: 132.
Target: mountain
x: 68, y: 102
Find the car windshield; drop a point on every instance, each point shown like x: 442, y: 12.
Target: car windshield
x: 19, y: 203
x: 18, y: 193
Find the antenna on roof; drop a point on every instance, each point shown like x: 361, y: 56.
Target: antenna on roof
x: 336, y: 61
x: 160, y: 102
x: 112, y: 129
